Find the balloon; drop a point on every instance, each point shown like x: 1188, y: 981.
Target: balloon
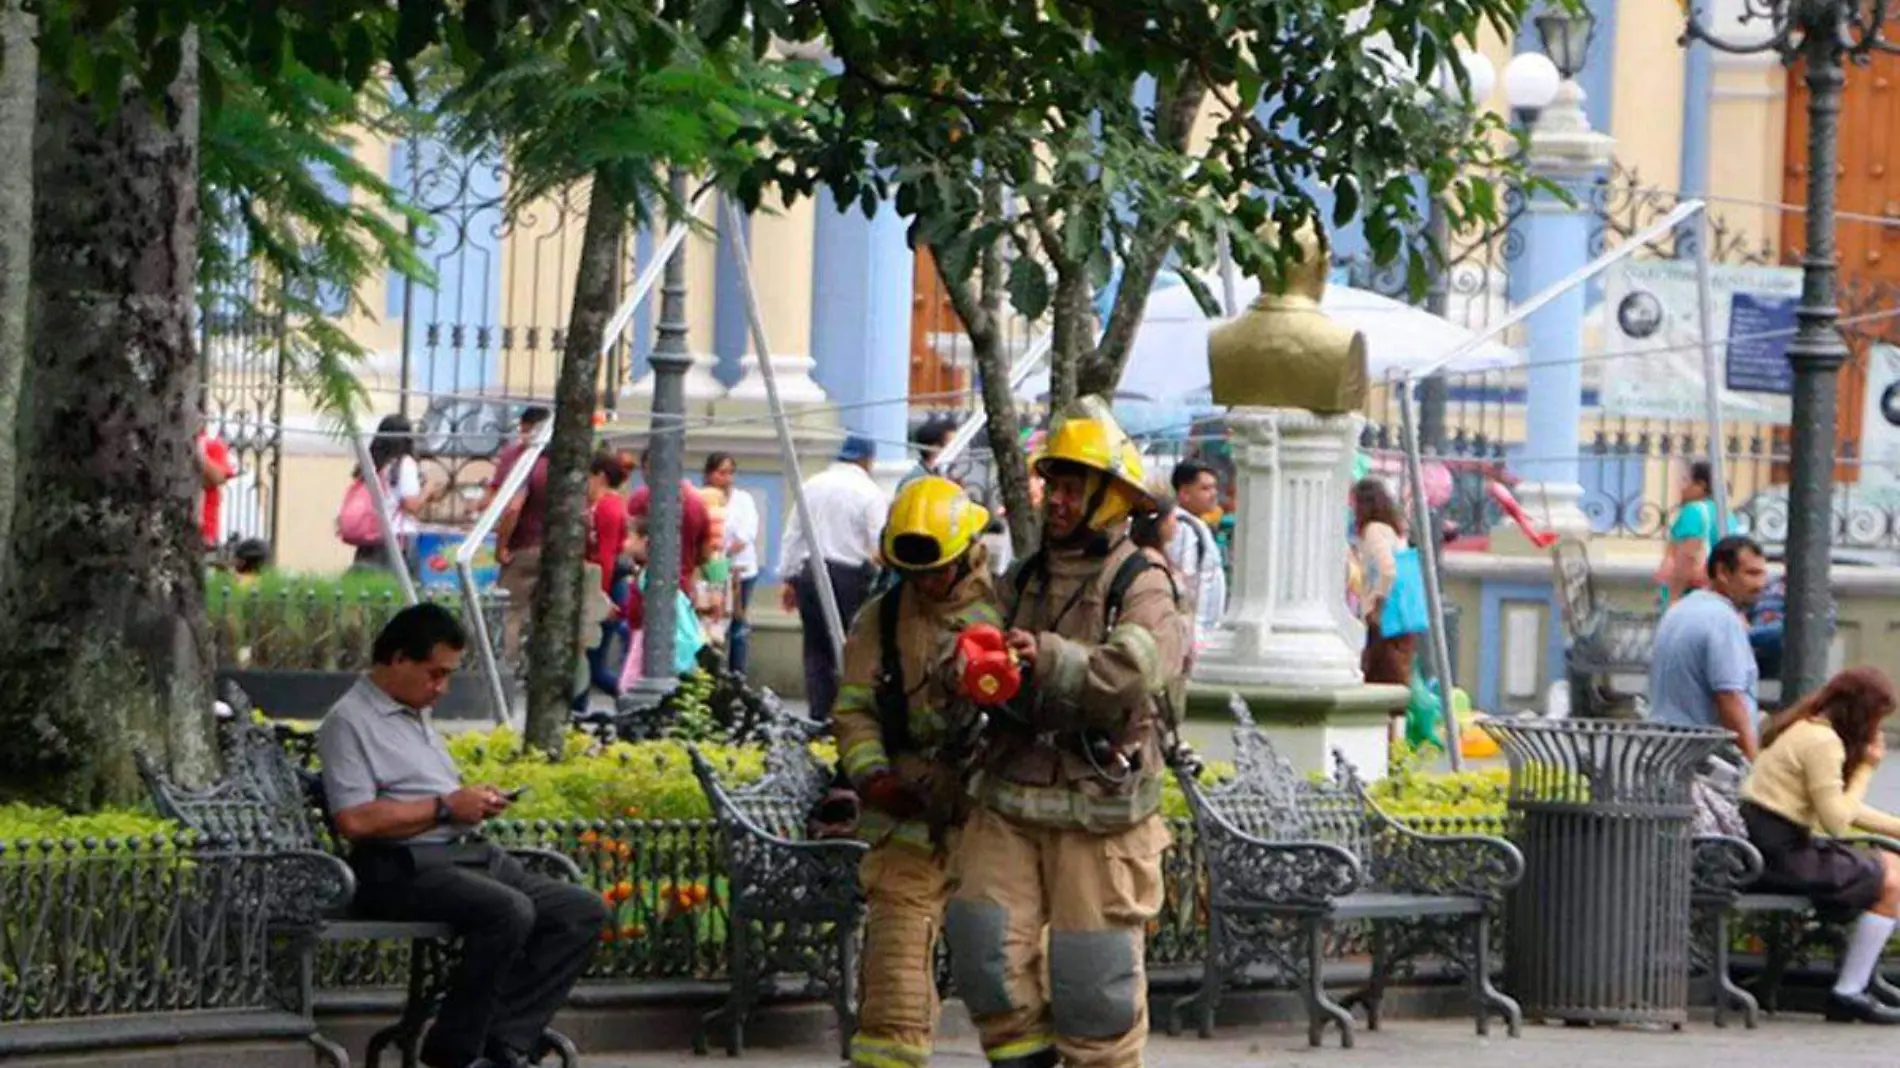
x: 1437, y: 484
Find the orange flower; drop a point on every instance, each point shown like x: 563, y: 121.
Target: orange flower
x: 589, y: 838
x: 700, y: 893
x: 623, y: 850
x: 607, y: 935
x: 632, y: 930
x: 633, y: 811
x: 623, y: 890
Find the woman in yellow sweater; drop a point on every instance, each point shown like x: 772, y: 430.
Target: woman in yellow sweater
x: 1816, y: 763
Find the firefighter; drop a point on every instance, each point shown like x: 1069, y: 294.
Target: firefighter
x: 901, y: 724
x: 1065, y: 837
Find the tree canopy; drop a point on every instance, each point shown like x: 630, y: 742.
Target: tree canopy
x: 1038, y: 149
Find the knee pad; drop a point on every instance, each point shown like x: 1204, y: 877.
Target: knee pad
x: 978, y: 933
x: 1094, y: 979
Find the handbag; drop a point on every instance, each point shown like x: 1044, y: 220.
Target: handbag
x: 1404, y: 611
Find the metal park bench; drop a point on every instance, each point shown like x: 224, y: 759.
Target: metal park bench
x: 794, y: 902
x: 1287, y: 858
x: 264, y: 796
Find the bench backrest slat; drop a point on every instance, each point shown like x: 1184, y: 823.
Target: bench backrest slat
x: 262, y: 794
x: 1267, y: 799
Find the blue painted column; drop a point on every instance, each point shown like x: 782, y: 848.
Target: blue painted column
x: 1698, y: 97
x: 862, y: 271
x: 1566, y: 151
x: 1558, y: 242
x: 731, y: 330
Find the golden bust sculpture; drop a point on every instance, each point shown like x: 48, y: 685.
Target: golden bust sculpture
x: 1284, y: 352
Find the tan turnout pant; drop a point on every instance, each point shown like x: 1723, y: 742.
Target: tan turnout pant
x: 905, y: 892
x: 1047, y: 932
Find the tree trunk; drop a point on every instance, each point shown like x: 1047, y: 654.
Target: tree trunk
x: 104, y: 646
x: 552, y: 650
x: 1074, y: 330
x: 19, y: 70
x: 1003, y: 429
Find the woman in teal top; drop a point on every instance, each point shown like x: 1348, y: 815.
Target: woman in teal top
x: 1686, y: 560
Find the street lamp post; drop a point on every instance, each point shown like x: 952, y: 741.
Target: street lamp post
x: 666, y: 443
x: 1823, y: 35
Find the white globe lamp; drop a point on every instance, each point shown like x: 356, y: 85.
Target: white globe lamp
x: 1531, y: 82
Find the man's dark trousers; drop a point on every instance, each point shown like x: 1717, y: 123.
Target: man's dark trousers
x: 525, y: 940
x: 851, y: 585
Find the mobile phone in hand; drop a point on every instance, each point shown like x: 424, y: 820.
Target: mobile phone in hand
x: 514, y: 794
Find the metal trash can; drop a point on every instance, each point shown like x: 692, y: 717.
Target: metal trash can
x: 1598, y: 930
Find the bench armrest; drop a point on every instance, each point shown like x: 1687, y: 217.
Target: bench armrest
x: 546, y: 862
x: 1246, y: 870
x: 1453, y: 865
x: 1873, y: 841
x: 1721, y: 867
x: 307, y: 883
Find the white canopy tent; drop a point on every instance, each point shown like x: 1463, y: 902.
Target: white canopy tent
x: 1168, y: 362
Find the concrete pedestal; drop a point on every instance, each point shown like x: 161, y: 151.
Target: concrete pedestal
x: 1286, y: 622
x: 1288, y: 645
x: 1305, y: 725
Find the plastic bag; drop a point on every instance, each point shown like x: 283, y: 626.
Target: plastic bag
x: 1404, y: 612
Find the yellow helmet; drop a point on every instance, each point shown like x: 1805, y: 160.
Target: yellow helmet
x: 932, y: 523
x: 1087, y: 435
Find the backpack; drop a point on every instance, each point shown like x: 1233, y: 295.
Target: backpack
x: 356, y: 522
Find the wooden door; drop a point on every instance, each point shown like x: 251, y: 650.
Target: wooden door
x: 1869, y: 182
x: 936, y: 377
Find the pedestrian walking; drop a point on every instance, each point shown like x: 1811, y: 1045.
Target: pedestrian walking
x: 899, y: 722
x: 1058, y: 871
x: 847, y: 510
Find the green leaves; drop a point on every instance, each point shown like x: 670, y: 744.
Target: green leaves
x: 1029, y: 286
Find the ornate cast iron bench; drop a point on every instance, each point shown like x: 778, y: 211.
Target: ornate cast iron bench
x: 1287, y: 858
x: 794, y: 902
x: 263, y: 795
x: 1725, y: 868
x: 1603, y: 644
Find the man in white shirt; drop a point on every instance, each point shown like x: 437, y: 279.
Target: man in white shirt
x: 847, y: 510
x: 742, y: 550
x: 1194, y: 551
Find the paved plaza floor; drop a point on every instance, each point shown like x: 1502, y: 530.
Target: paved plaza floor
x: 1779, y: 1043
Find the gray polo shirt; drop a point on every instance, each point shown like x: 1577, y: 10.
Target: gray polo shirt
x: 1701, y: 649
x: 374, y: 747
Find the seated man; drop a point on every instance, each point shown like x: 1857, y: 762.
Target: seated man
x: 1702, y: 672
x: 415, y: 844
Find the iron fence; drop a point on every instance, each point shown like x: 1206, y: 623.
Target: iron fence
x: 133, y: 926
x: 313, y: 628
